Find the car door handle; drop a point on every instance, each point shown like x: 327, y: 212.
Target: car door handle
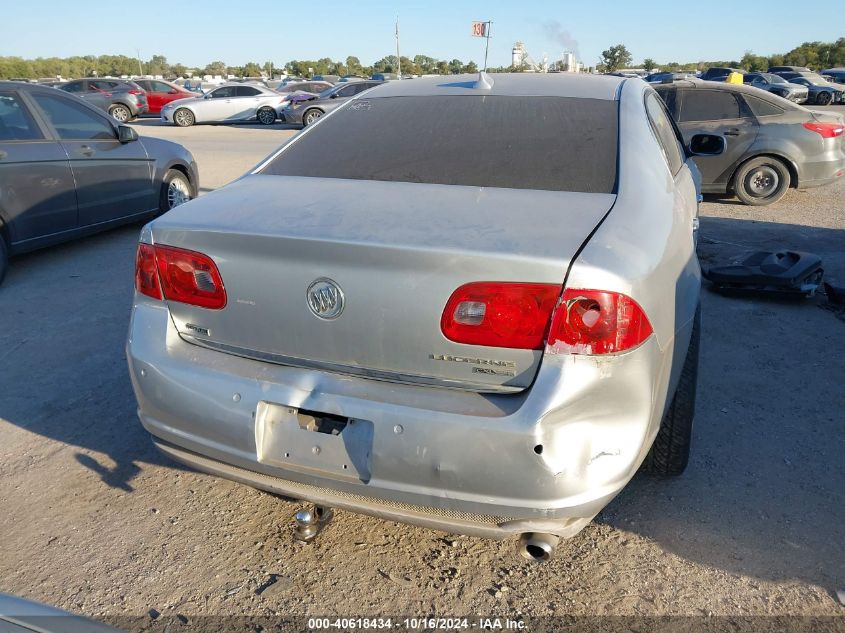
x: 86, y: 150
x: 734, y: 131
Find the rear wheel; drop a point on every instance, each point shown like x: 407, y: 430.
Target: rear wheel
x: 266, y: 116
x: 183, y: 117
x: 175, y: 190
x: 311, y: 116
x: 761, y: 181
x: 669, y: 454
x: 120, y: 112
x: 824, y: 98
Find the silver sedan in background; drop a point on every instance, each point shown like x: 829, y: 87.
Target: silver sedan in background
x: 305, y: 109
x: 228, y: 103
x: 484, y: 323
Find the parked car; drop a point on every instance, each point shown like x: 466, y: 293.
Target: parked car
x: 788, y: 69
x: 821, y: 91
x: 834, y: 75
x: 309, y: 88
x: 332, y: 79
x: 123, y: 100
x: 160, y: 93
x: 68, y: 170
x: 777, y: 85
x: 719, y: 73
x: 665, y: 77
x: 18, y: 615
x: 228, y: 103
x: 415, y: 348
x: 772, y: 144
x: 306, y: 109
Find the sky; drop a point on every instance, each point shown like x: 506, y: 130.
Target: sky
x: 196, y: 33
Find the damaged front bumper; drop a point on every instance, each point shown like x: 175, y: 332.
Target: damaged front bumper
x: 547, y: 459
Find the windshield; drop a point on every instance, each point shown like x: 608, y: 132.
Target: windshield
x: 816, y: 80
x: 549, y: 143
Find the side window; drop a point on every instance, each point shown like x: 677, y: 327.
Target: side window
x: 73, y: 87
x: 247, y: 91
x: 361, y: 87
x: 347, y: 91
x: 16, y: 123
x: 665, y: 133
x: 157, y: 86
x: 73, y: 121
x: 223, y: 93
x: 709, y: 105
x: 761, y: 107
x: 144, y: 84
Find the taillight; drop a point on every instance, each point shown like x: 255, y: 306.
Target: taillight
x: 827, y: 130
x: 596, y: 322
x: 179, y: 275
x: 146, y: 275
x: 135, y: 91
x: 500, y: 314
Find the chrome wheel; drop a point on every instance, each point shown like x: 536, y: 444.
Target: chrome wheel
x: 178, y: 192
x: 183, y: 118
x: 120, y: 113
x: 762, y: 182
x: 266, y: 116
x: 311, y: 116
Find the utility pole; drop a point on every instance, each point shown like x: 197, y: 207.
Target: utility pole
x: 398, y: 58
x: 140, y: 69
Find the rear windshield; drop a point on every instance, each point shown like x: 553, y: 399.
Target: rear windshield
x: 551, y: 143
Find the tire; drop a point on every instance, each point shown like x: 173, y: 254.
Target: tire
x: 669, y: 454
x: 311, y: 116
x: 824, y: 98
x: 184, y: 117
x: 120, y: 112
x: 266, y: 116
x: 175, y: 190
x: 761, y: 181
x: 4, y: 258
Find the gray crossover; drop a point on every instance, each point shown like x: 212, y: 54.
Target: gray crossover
x: 483, y: 323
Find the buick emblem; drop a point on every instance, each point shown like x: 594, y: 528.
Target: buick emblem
x: 325, y: 298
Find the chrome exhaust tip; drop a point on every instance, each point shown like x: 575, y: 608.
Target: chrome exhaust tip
x: 537, y: 547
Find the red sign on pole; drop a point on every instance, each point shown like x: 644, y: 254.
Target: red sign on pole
x: 479, y: 29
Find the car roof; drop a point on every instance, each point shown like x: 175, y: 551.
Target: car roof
x: 17, y: 85
x: 506, y: 84
x: 703, y: 84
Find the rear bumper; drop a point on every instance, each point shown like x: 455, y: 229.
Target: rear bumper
x: 445, y: 459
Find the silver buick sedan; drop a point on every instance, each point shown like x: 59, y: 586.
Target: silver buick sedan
x: 483, y: 323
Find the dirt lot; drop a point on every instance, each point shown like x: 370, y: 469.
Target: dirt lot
x: 95, y: 521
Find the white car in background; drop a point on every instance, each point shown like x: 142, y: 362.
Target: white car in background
x: 229, y: 102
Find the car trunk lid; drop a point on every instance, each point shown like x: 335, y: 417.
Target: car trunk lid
x: 396, y: 250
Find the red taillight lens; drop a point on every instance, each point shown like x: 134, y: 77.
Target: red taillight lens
x: 179, y: 275
x: 596, y: 322
x: 500, y: 314
x: 827, y: 130
x: 135, y: 91
x: 146, y: 276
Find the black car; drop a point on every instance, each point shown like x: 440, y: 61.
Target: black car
x: 716, y: 73
x: 772, y: 144
x: 68, y: 170
x: 124, y: 100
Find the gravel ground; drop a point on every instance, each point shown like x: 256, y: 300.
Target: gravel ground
x: 95, y: 521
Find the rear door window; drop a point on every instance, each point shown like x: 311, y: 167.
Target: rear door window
x: 760, y: 107
x: 247, y: 91
x: 709, y: 105
x: 16, y: 123
x: 551, y: 143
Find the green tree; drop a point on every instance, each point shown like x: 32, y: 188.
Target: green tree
x: 178, y: 70
x: 753, y: 62
x: 470, y: 67
x: 215, y: 68
x: 158, y: 65
x: 442, y: 67
x: 615, y: 57
x: 456, y: 66
x: 353, y: 65
x: 649, y: 64
x: 251, y: 70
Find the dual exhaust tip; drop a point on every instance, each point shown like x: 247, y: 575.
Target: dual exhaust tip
x: 537, y: 547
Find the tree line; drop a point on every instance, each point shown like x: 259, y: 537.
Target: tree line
x: 816, y: 55
x: 118, y: 65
